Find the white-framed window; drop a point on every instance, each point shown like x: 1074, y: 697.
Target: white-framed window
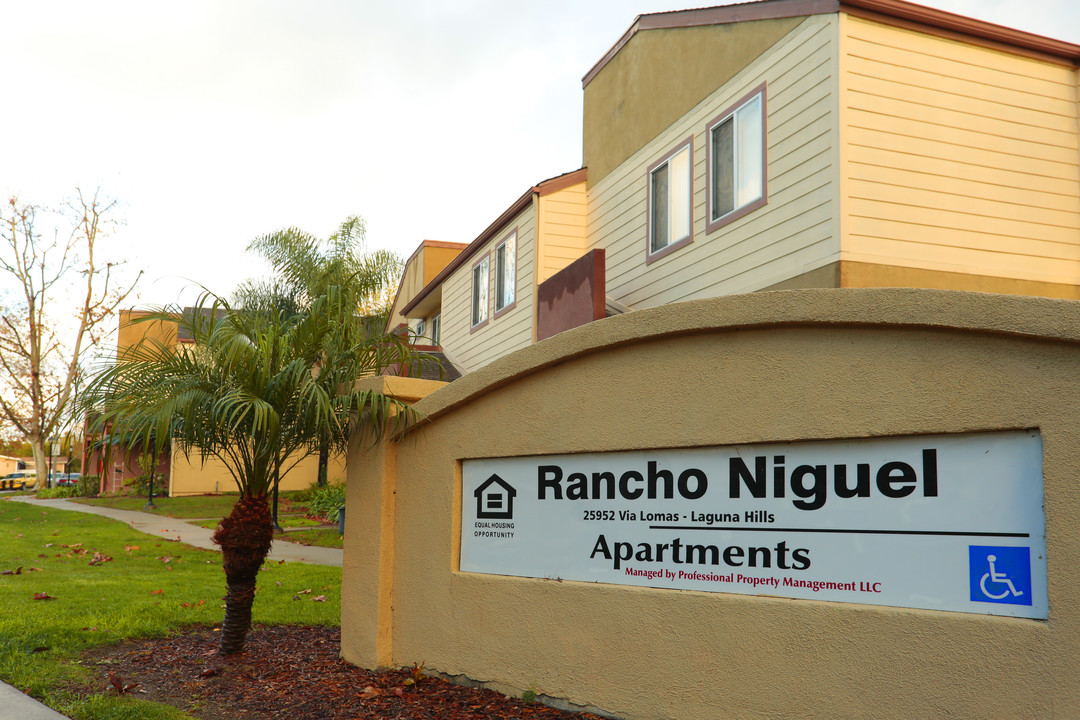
x: 670, y: 203
x: 436, y: 327
x: 736, y: 179
x: 421, y: 326
x: 506, y: 273
x: 480, y: 292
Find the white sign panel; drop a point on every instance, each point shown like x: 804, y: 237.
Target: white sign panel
x: 938, y: 522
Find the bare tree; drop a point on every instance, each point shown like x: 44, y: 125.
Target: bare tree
x: 41, y: 341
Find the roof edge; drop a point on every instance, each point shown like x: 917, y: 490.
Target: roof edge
x: 932, y: 18
x: 942, y: 20
x: 559, y: 182
x: 719, y: 15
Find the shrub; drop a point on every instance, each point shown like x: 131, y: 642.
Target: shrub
x: 88, y: 486
x: 59, y: 492
x: 137, y: 485
x: 325, y: 501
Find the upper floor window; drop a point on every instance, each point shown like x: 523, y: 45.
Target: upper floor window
x: 736, y: 146
x: 480, y: 292
x: 506, y: 272
x: 436, y: 328
x: 670, y: 204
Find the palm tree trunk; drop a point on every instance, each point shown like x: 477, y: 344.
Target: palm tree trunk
x: 324, y: 460
x: 245, y: 537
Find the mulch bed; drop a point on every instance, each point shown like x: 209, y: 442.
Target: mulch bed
x: 295, y: 673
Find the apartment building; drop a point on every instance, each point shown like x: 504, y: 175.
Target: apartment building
x: 784, y: 144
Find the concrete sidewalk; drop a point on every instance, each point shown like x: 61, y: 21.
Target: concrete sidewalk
x: 15, y: 705
x: 176, y: 529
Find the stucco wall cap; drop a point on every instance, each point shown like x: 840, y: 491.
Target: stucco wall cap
x: 1024, y: 316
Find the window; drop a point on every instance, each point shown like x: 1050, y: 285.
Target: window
x: 480, y: 293
x: 736, y: 178
x: 506, y: 273
x: 421, y: 326
x: 670, y: 206
x: 436, y: 326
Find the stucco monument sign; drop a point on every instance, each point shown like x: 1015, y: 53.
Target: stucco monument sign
x: 948, y: 522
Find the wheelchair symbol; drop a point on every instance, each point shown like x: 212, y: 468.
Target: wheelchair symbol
x: 1000, y: 579
x: 1000, y: 574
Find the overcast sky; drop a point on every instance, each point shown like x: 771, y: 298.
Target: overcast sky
x: 215, y: 121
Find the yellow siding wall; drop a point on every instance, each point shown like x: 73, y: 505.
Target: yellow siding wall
x: 561, y: 223
x: 503, y: 334
x: 420, y: 269
x: 412, y: 282
x: 131, y: 333
x: 190, y: 476
x: 957, y: 157
x: 794, y: 233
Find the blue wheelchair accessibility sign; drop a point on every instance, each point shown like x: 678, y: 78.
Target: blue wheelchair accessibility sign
x: 1000, y: 574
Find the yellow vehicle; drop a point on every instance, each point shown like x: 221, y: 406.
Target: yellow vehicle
x: 16, y: 480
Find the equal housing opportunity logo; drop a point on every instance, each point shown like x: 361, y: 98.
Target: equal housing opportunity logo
x: 495, y: 499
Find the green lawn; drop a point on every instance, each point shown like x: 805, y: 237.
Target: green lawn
x: 322, y: 537
x: 286, y: 521
x: 319, y: 534
x: 196, y: 506
x: 147, y: 587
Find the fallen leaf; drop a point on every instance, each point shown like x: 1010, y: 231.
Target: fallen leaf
x: 157, y: 592
x: 43, y: 596
x: 100, y: 558
x: 319, y: 598
x: 209, y: 672
x: 16, y: 571
x: 370, y: 691
x: 304, y: 592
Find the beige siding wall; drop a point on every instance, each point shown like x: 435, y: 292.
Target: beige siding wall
x: 561, y: 222
x: 957, y: 157
x: 511, y: 330
x: 793, y: 234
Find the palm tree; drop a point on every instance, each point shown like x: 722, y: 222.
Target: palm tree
x: 306, y: 268
x: 251, y: 390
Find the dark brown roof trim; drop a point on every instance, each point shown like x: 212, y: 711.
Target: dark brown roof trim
x: 958, y: 27
x: 401, y: 283
x: 896, y: 12
x: 559, y: 182
x: 722, y: 15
